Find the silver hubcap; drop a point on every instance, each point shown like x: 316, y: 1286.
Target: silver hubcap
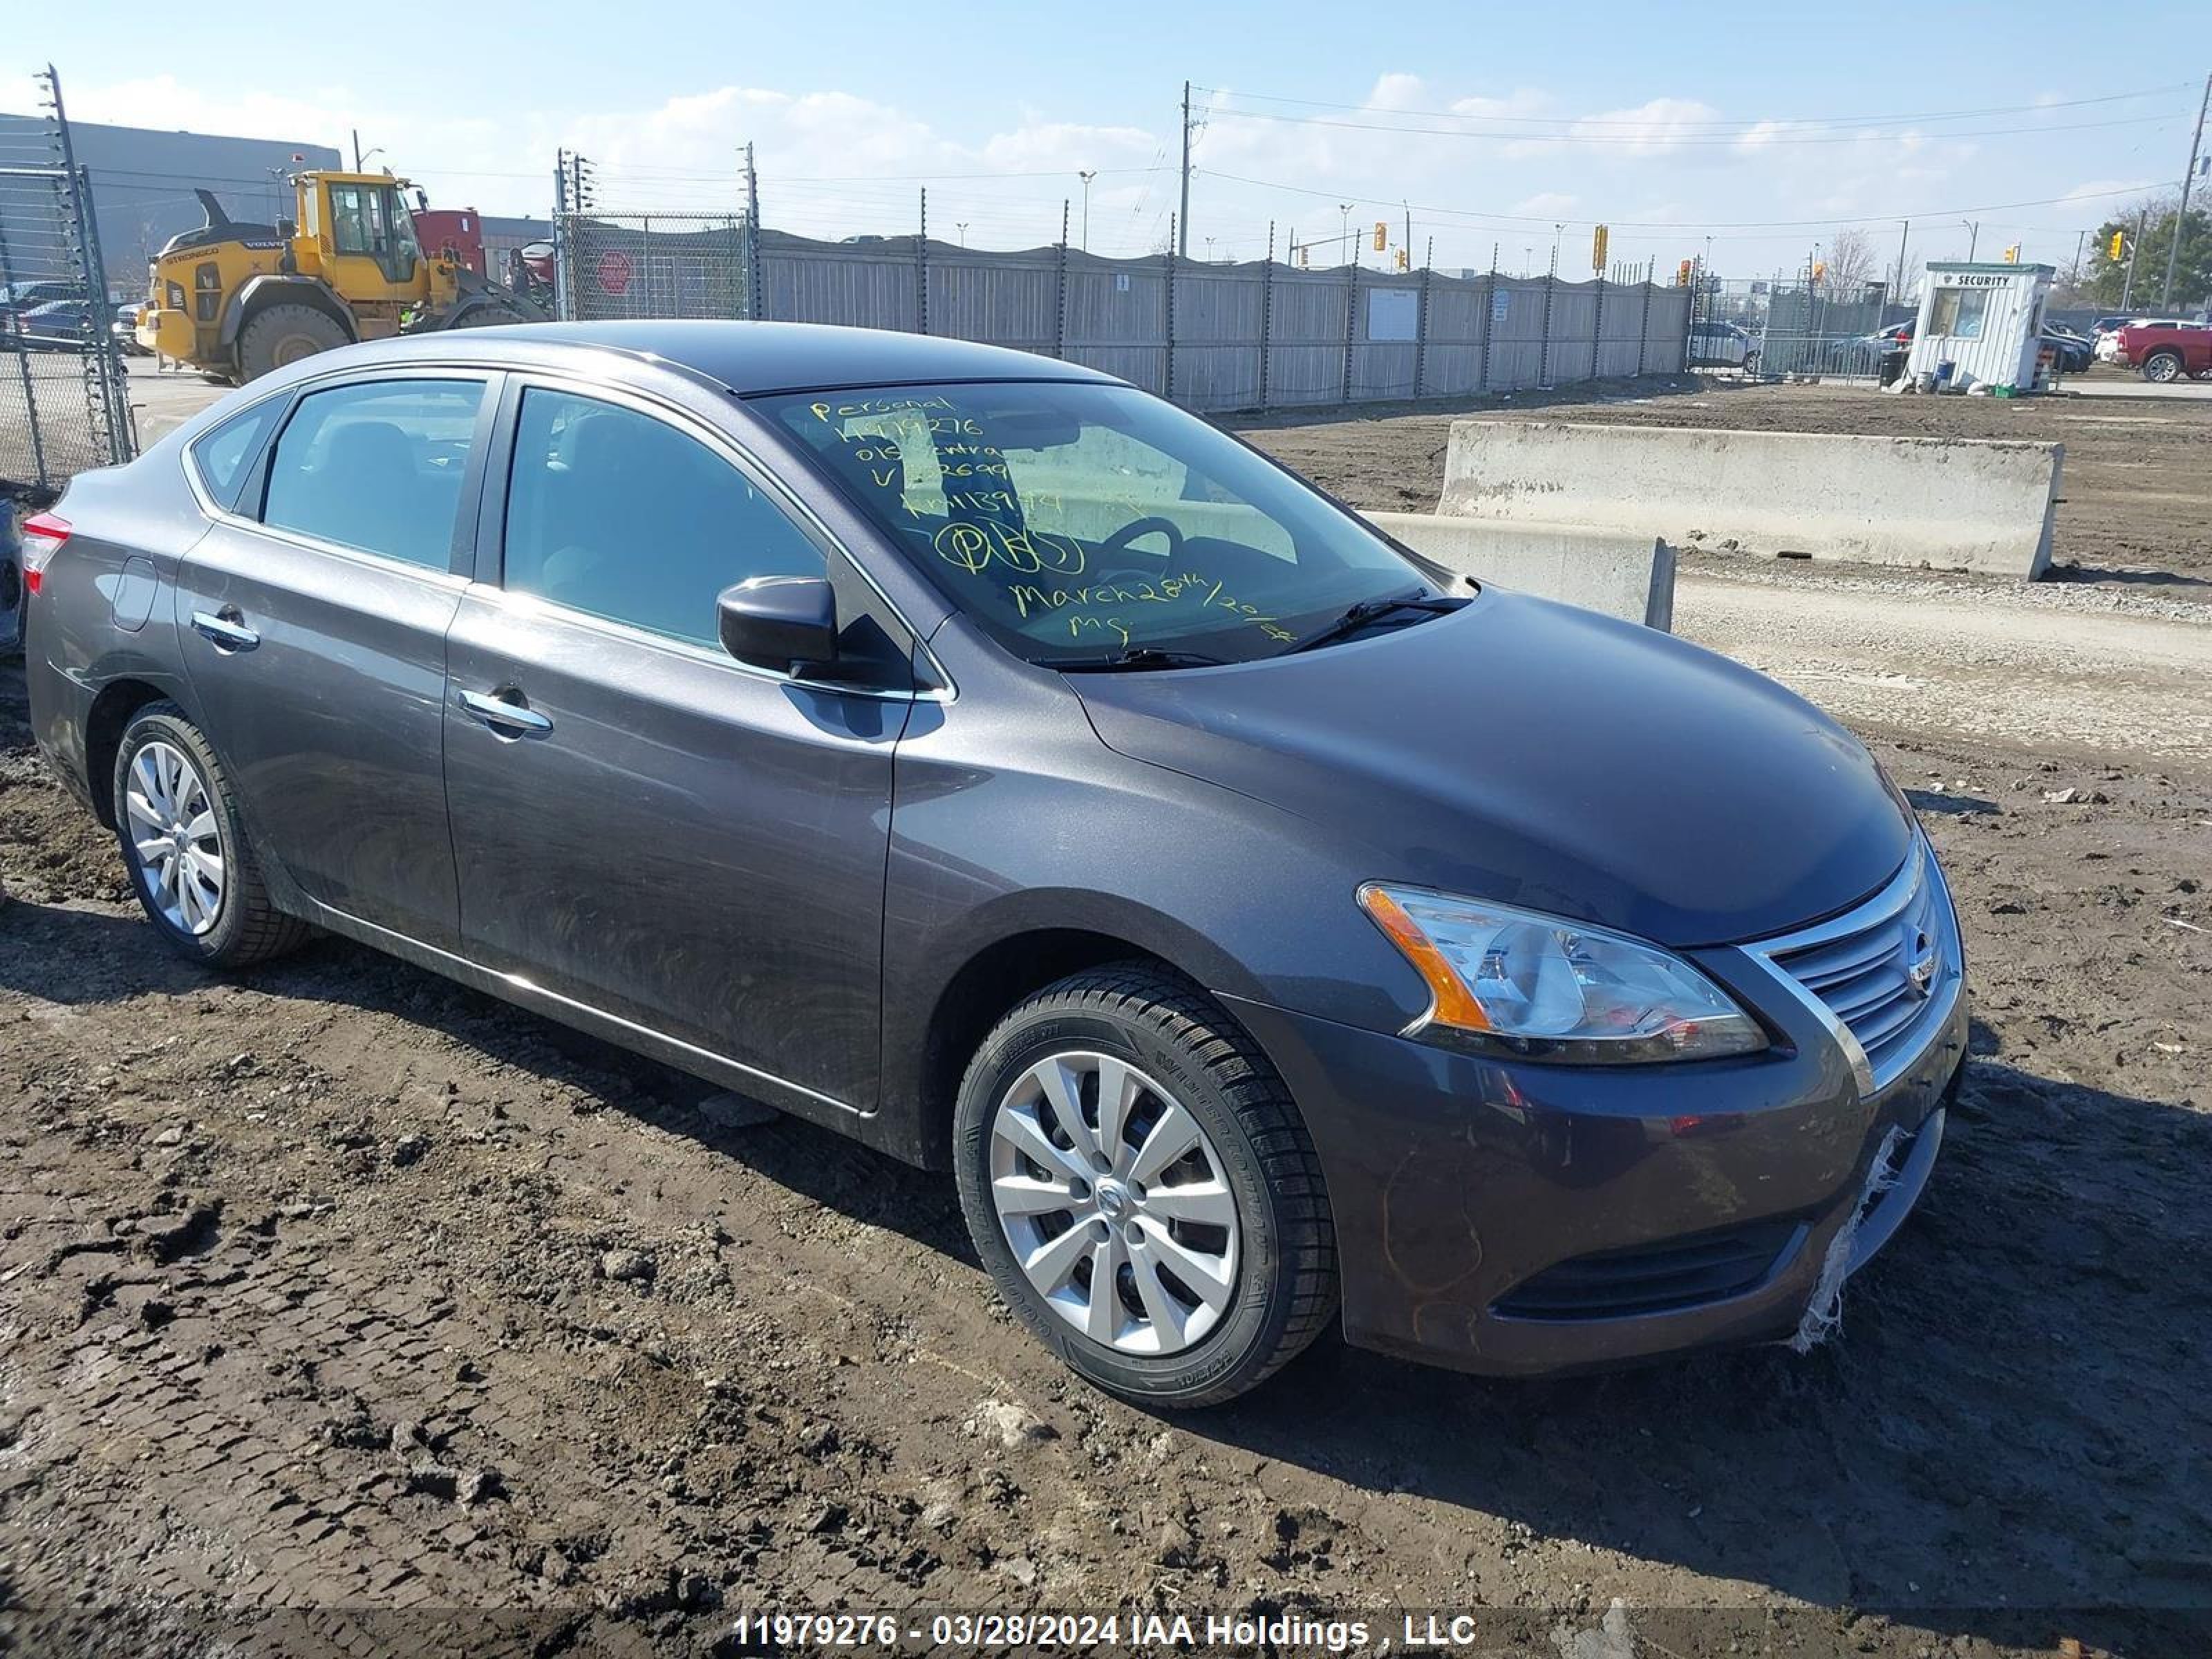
x: 1113, y: 1202
x: 176, y: 836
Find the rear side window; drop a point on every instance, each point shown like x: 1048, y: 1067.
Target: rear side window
x: 612, y: 512
x: 224, y: 456
x: 376, y: 466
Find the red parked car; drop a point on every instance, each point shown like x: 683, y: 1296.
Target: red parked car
x: 2167, y: 352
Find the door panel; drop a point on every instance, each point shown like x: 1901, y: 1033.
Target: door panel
x: 315, y: 642
x: 330, y: 720
x: 663, y: 835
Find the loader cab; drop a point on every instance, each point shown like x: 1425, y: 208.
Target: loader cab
x: 362, y: 235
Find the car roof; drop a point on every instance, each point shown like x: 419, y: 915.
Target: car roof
x: 746, y: 358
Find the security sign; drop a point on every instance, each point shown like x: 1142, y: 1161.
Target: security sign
x: 614, y: 271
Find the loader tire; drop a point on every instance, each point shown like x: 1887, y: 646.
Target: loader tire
x: 285, y: 334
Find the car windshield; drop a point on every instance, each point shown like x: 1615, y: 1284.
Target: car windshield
x: 1081, y: 523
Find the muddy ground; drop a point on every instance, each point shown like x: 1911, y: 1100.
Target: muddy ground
x: 343, y: 1310
x: 2136, y: 480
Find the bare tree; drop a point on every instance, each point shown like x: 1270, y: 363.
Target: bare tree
x: 1852, y: 263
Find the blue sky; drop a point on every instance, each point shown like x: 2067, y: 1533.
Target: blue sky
x: 1497, y: 124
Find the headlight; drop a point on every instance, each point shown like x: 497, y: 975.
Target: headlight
x: 1546, y: 988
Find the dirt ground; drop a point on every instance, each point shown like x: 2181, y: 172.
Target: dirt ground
x: 2136, y: 481
x: 344, y: 1309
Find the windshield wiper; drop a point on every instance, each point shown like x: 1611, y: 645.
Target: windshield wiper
x: 1372, y: 611
x: 1136, y: 657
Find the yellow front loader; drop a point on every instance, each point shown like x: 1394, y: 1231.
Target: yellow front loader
x: 238, y: 300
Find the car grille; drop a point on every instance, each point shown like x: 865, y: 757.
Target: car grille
x: 1682, y: 1272
x: 1882, y: 972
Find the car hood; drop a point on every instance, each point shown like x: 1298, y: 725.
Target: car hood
x: 1543, y: 756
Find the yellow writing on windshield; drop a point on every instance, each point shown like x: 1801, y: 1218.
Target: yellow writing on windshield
x: 1188, y: 587
x: 975, y: 547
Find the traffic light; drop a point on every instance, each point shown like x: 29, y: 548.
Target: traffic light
x: 1404, y: 262
x: 2012, y: 254
x: 1682, y: 275
x: 1820, y: 269
x: 1305, y: 256
x: 2118, y: 247
x: 1382, y: 235
x: 1597, y: 248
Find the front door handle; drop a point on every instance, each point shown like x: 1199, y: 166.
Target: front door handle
x: 228, y: 633
x: 511, y: 719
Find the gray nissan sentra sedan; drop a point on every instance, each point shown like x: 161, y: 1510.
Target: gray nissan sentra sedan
x: 974, y: 754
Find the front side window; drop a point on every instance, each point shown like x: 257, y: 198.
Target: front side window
x: 614, y: 513
x: 1071, y: 521
x: 377, y: 465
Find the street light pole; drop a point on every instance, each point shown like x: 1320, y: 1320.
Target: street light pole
x: 1087, y: 177
x: 1973, y: 237
x: 1344, y: 211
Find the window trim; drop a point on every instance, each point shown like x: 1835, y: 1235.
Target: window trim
x: 490, y: 538
x: 460, y: 558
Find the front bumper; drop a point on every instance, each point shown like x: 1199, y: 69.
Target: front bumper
x: 1515, y: 1220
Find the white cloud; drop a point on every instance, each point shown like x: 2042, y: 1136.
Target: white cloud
x: 1544, y: 204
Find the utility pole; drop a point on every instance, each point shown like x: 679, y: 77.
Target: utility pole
x: 1182, y: 223
x: 356, y: 149
x: 1904, y: 235
x: 1408, y: 206
x: 1087, y: 177
x: 2187, y: 178
x: 1344, y: 211
x: 1973, y: 237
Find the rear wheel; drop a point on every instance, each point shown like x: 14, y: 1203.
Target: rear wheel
x: 177, y: 822
x: 285, y: 334
x: 1139, y: 1182
x: 2162, y: 367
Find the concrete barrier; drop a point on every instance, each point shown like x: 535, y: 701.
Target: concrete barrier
x: 1948, y: 503
x: 1618, y: 572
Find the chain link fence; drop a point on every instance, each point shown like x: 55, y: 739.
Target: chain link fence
x: 1792, y: 327
x: 654, y: 265
x: 64, y: 397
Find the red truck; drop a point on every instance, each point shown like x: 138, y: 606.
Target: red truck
x: 456, y: 231
x: 2167, y: 352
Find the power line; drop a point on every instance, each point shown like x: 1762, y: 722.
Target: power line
x: 1658, y: 132
x: 1827, y: 120
x: 1699, y: 226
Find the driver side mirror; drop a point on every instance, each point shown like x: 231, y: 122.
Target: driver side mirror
x: 785, y: 623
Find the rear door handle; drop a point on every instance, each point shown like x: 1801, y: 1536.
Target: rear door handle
x: 512, y: 719
x: 227, y: 633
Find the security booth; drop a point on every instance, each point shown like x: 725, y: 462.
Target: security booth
x: 1980, y: 326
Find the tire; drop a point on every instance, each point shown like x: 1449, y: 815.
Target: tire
x: 2162, y: 367
x: 284, y: 334
x: 166, y: 775
x: 1219, y: 1308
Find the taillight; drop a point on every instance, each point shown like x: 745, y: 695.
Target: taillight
x: 43, y: 535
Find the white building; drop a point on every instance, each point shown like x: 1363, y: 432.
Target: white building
x: 1986, y: 320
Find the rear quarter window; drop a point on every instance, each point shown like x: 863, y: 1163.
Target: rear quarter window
x: 224, y: 455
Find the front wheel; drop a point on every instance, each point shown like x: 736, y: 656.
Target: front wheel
x: 1142, y: 1189
x: 2162, y: 367
x: 177, y: 821
x: 285, y: 334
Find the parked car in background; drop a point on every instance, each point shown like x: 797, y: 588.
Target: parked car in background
x: 1720, y: 344
x: 976, y: 756
x: 123, y: 329
x: 2167, y: 352
x: 2073, y: 351
x: 56, y: 325
x: 18, y: 297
